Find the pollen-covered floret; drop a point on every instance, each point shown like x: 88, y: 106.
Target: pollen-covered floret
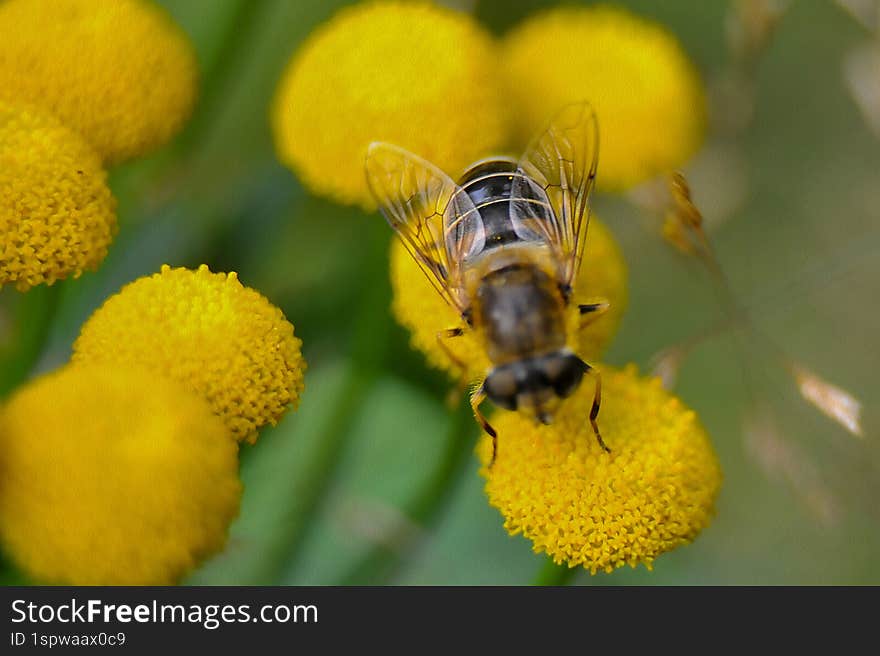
x: 419, y: 308
x: 555, y: 485
x: 208, y: 331
x: 647, y: 93
x: 57, y: 215
x: 113, y: 476
x: 120, y: 72
x: 414, y: 74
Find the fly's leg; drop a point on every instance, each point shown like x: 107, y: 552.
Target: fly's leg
x: 455, y: 393
x: 449, y: 333
x: 594, y: 411
x: 477, y: 398
x: 592, y: 311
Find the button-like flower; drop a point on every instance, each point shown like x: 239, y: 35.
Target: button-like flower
x: 112, y: 476
x: 57, y: 215
x: 648, y: 96
x: 554, y: 484
x: 121, y: 72
x: 419, y: 308
x: 413, y: 74
x: 206, y: 330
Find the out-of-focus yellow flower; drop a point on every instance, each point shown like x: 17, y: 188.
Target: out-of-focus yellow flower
x: 111, y: 476
x: 648, y: 96
x: 219, y: 338
x: 413, y: 74
x: 57, y: 215
x: 121, y: 73
x: 419, y: 308
x: 554, y: 484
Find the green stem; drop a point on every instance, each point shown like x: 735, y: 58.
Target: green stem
x: 322, y: 469
x: 33, y: 313
x: 160, y: 177
x: 553, y: 574
x: 381, y: 563
x: 369, y: 350
x: 234, y: 43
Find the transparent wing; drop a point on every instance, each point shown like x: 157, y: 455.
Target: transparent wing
x: 434, y: 218
x: 551, y: 193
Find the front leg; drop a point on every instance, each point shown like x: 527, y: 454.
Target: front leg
x: 449, y: 333
x: 455, y: 393
x: 592, y: 311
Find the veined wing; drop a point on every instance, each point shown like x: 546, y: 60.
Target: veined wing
x: 434, y: 218
x: 550, y: 199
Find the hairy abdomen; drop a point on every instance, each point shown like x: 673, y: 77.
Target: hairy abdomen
x: 521, y: 313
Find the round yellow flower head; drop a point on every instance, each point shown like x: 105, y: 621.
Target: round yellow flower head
x: 57, y: 215
x: 419, y: 308
x: 413, y: 74
x: 648, y: 96
x: 121, y: 73
x: 112, y: 477
x: 219, y: 338
x: 554, y: 484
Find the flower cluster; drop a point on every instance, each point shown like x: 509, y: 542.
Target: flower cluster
x: 414, y: 74
x: 206, y: 330
x: 431, y: 80
x: 121, y: 467
x: 57, y: 215
x: 113, y: 476
x: 647, y: 94
x: 557, y: 487
x: 83, y: 83
x: 121, y: 73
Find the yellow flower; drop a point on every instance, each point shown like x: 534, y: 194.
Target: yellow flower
x: 655, y: 491
x: 112, y: 477
x: 420, y: 309
x: 121, y: 73
x: 57, y: 215
x: 219, y: 338
x: 413, y: 74
x: 648, y: 96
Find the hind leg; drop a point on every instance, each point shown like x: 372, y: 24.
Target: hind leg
x: 594, y: 410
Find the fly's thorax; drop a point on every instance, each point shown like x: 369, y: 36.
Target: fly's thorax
x: 510, y: 205
x: 488, y: 184
x: 485, y: 180
x: 536, y: 384
x: 520, y: 312
x: 497, y: 188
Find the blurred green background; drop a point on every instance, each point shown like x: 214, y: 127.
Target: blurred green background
x: 373, y: 479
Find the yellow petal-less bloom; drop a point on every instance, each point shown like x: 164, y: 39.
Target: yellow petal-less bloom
x: 420, y: 309
x: 654, y: 492
x: 121, y: 73
x: 419, y: 76
x: 648, y: 96
x: 113, y: 477
x: 208, y: 331
x: 57, y: 215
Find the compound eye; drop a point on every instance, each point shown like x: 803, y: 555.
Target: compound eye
x: 565, y: 373
x: 500, y: 387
